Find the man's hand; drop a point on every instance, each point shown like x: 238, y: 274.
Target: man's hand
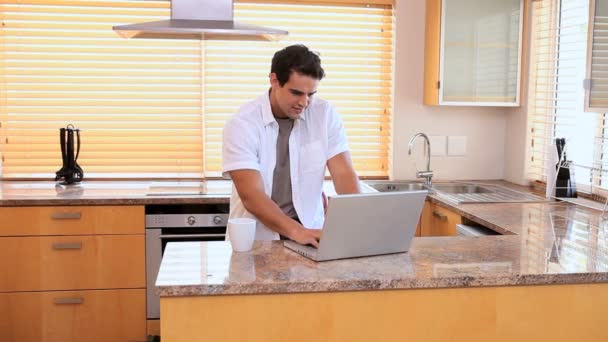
x: 306, y: 236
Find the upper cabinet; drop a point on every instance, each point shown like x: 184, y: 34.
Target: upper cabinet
x: 597, y: 54
x: 473, y: 52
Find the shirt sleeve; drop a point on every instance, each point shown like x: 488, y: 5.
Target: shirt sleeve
x: 240, y: 149
x: 337, y: 142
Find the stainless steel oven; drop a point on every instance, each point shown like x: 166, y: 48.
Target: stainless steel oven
x: 184, y: 222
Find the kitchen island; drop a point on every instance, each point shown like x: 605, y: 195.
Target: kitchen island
x: 548, y: 280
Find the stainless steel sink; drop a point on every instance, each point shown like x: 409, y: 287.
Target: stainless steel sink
x: 461, y: 189
x: 460, y: 192
x: 397, y: 186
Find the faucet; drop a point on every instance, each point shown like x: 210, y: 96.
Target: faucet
x: 427, y: 174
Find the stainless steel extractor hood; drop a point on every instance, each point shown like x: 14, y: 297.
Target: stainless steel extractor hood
x: 200, y: 19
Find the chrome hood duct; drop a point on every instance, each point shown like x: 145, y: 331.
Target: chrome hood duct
x: 199, y: 19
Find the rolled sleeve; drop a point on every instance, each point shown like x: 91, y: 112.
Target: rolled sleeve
x: 337, y: 141
x: 240, y: 149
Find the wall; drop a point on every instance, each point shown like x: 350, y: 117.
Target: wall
x: 517, y: 155
x: 485, y: 128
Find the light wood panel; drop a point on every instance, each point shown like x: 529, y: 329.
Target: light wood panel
x: 153, y: 327
x: 72, y: 220
x: 113, y: 315
x: 72, y: 262
x: 444, y: 221
x: 563, y: 313
x: 426, y: 219
x: 432, y: 48
x: 438, y: 221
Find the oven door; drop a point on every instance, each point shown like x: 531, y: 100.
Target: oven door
x: 156, y: 241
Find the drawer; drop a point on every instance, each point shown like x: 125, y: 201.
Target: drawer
x: 49, y: 263
x: 72, y: 220
x: 110, y: 315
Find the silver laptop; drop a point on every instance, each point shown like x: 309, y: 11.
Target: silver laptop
x: 366, y: 224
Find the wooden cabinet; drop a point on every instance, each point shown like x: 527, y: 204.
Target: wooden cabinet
x: 596, y: 92
x: 48, y: 263
x: 438, y: 221
x: 473, y: 52
x: 72, y: 220
x: 72, y: 273
x: 103, y: 315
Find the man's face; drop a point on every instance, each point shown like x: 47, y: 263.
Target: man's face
x: 290, y: 100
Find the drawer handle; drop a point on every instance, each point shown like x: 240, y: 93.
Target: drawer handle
x: 69, y: 245
x: 66, y: 216
x: 440, y: 216
x: 68, y: 300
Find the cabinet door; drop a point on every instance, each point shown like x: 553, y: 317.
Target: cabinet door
x: 473, y: 52
x: 597, y: 53
x: 426, y: 219
x: 72, y: 220
x: 438, y: 221
x: 444, y: 221
x: 111, y: 315
x: 481, y: 51
x: 49, y: 263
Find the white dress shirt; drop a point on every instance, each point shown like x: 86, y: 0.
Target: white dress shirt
x: 250, y: 142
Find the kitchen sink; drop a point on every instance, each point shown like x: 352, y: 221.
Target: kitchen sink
x: 459, y: 193
x: 397, y: 186
x: 461, y: 189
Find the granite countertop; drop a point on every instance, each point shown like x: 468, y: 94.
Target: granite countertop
x: 549, y: 243
x: 38, y: 193
x: 546, y: 243
x: 33, y: 193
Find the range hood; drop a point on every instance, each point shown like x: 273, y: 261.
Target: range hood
x: 200, y: 19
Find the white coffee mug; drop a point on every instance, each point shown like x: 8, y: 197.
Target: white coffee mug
x: 241, y: 232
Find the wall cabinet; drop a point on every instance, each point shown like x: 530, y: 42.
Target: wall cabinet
x: 438, y: 221
x: 473, y: 52
x: 72, y: 273
x: 596, y: 95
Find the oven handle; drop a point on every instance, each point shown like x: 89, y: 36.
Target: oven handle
x: 174, y: 236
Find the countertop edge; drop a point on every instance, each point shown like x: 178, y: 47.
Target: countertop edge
x: 375, y: 285
x: 214, y: 199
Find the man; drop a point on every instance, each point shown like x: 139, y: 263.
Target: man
x: 276, y: 149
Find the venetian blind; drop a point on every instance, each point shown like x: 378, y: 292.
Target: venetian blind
x: 556, y: 106
x: 137, y: 102
x: 598, y: 59
x: 355, y: 44
x: 156, y: 108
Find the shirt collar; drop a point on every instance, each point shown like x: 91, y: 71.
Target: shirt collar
x: 267, y: 115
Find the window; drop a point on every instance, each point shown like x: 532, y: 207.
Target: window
x: 557, y: 102
x: 155, y: 108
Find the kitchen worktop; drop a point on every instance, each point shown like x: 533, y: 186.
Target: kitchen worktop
x: 545, y: 243
x: 550, y: 243
x: 35, y: 193
x: 32, y: 193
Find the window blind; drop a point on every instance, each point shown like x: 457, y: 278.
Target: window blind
x: 556, y: 106
x: 355, y: 46
x: 155, y: 108
x: 598, y: 57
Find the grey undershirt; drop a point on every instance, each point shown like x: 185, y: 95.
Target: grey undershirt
x: 281, y: 181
